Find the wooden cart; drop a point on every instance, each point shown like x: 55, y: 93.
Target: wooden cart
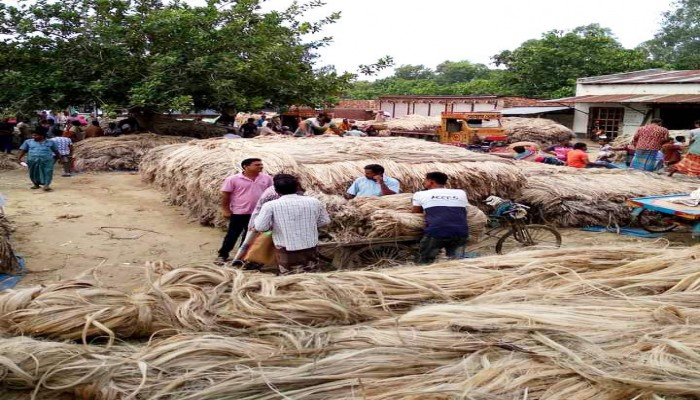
x: 374, y: 252
x: 660, y: 214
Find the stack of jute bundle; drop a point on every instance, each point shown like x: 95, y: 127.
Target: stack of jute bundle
x: 605, y: 323
x: 192, y: 173
x: 571, y: 197
x: 203, y: 298
x: 8, y: 260
x: 391, y: 216
x: 539, y: 130
x: 118, y: 153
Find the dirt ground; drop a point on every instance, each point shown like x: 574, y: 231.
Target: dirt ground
x: 110, y: 224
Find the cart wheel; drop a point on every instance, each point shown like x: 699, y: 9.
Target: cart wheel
x: 656, y: 222
x: 531, y: 237
x: 379, y: 255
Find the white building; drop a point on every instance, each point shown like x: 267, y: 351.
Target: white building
x: 621, y: 103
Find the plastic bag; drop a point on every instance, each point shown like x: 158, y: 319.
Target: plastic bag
x: 262, y: 250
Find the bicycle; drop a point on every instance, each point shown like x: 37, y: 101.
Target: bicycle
x: 511, y: 218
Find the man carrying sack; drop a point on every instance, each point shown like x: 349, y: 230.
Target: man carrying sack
x: 294, y: 221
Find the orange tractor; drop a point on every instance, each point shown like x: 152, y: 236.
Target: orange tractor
x: 480, y: 131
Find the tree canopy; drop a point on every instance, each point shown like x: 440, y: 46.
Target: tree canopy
x: 548, y: 67
x: 539, y: 68
x: 225, y: 55
x: 678, y: 41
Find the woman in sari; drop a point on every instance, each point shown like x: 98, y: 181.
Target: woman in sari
x: 40, y: 159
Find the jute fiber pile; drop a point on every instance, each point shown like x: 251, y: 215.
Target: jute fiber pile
x: 8, y: 162
x: 413, y: 123
x: 118, y: 153
x: 227, y: 301
x: 8, y: 260
x: 386, y: 217
x: 609, y: 323
x: 539, y: 130
x: 191, y: 173
x: 570, y: 197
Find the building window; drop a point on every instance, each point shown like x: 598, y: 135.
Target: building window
x: 609, y: 119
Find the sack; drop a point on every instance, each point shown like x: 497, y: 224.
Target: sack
x: 262, y: 250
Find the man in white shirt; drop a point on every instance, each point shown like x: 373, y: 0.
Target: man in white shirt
x: 294, y: 221
x: 445, y: 218
x: 373, y: 184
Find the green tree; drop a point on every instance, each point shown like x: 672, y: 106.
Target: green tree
x: 678, y: 41
x: 548, y: 67
x: 460, y: 71
x: 413, y: 72
x: 226, y: 55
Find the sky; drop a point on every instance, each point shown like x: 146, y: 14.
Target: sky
x: 429, y: 32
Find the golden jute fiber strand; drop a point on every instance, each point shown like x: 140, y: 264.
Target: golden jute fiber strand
x: 118, y: 153
x: 209, y: 298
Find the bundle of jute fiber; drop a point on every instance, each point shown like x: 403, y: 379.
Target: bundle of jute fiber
x: 80, y: 309
x: 539, y: 130
x: 8, y: 162
x: 192, y: 173
x: 8, y: 259
x: 122, y: 153
x: 413, y: 122
x: 391, y: 216
x: 588, y: 198
x: 587, y: 347
x: 213, y: 299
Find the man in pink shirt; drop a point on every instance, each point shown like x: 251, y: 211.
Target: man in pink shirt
x: 240, y: 194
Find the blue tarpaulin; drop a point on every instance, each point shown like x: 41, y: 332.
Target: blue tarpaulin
x: 621, y: 231
x: 8, y: 281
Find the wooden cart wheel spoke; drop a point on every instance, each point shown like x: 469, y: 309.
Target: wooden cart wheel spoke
x: 656, y: 222
x: 381, y: 255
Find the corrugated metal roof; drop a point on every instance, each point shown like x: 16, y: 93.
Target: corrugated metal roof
x: 630, y: 98
x: 531, y: 110
x: 649, y: 76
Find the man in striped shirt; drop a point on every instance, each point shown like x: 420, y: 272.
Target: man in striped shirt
x: 294, y: 221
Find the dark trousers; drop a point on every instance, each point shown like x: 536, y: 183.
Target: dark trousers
x: 430, y: 247
x: 237, y: 226
x: 6, y: 143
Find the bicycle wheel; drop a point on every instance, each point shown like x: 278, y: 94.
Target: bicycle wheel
x: 530, y: 237
x: 656, y: 222
x: 379, y: 255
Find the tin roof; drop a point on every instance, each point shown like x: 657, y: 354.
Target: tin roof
x: 648, y: 76
x: 532, y: 110
x: 630, y: 98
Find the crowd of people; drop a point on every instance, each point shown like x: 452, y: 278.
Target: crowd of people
x: 50, y: 139
x: 320, y: 125
x: 255, y: 202
x: 652, y: 149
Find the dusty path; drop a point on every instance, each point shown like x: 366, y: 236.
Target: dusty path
x: 61, y: 233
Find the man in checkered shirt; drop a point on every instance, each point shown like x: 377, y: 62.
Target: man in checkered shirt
x: 294, y: 221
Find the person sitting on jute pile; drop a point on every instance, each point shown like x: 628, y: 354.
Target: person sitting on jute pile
x: 373, y: 184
